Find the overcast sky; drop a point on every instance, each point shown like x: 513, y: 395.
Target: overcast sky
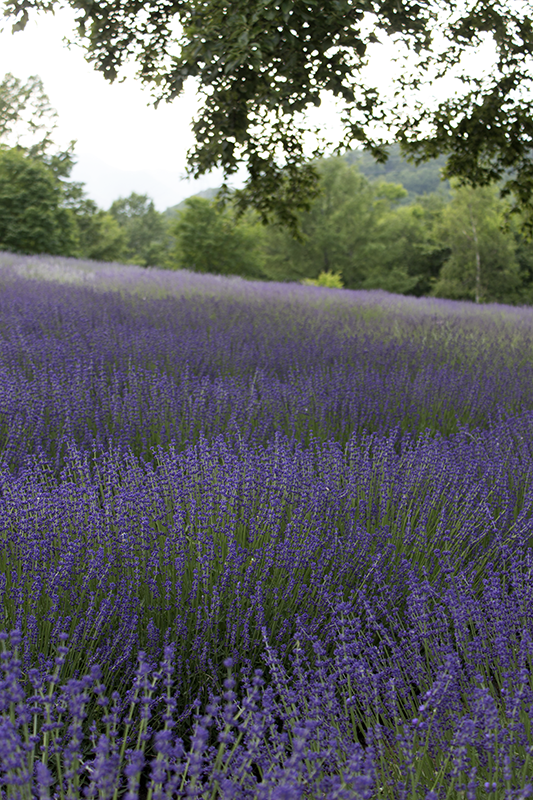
x: 123, y: 143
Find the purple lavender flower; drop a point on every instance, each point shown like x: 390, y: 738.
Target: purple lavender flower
x: 327, y: 494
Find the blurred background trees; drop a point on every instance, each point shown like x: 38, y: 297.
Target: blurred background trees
x: 101, y: 236
x: 482, y: 265
x: 146, y: 238
x: 389, y: 226
x: 207, y: 234
x: 33, y: 218
x: 26, y: 116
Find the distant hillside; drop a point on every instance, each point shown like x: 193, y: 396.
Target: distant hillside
x: 420, y: 180
x: 423, y: 179
x: 209, y: 194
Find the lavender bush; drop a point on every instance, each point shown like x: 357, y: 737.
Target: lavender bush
x: 261, y: 540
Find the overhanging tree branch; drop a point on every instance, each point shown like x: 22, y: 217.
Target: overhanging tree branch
x: 260, y: 64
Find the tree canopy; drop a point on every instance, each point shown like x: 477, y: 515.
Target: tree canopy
x: 356, y: 229
x: 260, y: 65
x: 144, y: 228
x: 483, y: 264
x: 33, y: 218
x: 26, y: 113
x: 210, y: 239
x: 28, y: 121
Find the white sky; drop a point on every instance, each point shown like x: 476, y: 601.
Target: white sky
x: 123, y: 143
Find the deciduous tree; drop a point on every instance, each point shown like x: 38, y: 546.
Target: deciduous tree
x: 26, y: 116
x: 33, y: 218
x: 210, y: 239
x: 145, y: 230
x: 28, y: 120
x: 101, y: 237
x: 482, y: 265
x: 406, y: 258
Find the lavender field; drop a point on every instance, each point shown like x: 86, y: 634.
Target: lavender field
x: 261, y: 541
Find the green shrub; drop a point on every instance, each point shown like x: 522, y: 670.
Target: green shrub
x: 331, y: 280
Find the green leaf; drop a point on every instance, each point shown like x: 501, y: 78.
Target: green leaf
x: 21, y: 24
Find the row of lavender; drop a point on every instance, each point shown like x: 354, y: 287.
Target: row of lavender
x: 100, y: 369
x: 263, y: 542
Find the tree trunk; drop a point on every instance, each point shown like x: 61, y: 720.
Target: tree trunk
x: 478, y: 257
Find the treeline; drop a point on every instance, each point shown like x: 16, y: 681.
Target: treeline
x: 359, y: 233
x: 365, y: 231
x: 42, y: 212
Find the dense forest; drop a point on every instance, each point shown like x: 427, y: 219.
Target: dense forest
x: 393, y: 226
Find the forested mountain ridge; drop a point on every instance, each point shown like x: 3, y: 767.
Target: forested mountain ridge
x: 417, y: 180
x: 207, y: 194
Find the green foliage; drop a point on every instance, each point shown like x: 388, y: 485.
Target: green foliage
x: 145, y: 231
x: 482, y: 265
x: 405, y: 257
x: 258, y: 66
x: 28, y: 121
x: 524, y: 258
x: 330, y: 280
x: 25, y: 111
x: 57, y: 217
x: 132, y: 231
x: 101, y: 237
x: 336, y: 231
x: 355, y: 228
x: 211, y: 239
x: 32, y: 216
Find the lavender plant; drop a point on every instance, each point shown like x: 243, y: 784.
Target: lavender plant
x: 261, y: 541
